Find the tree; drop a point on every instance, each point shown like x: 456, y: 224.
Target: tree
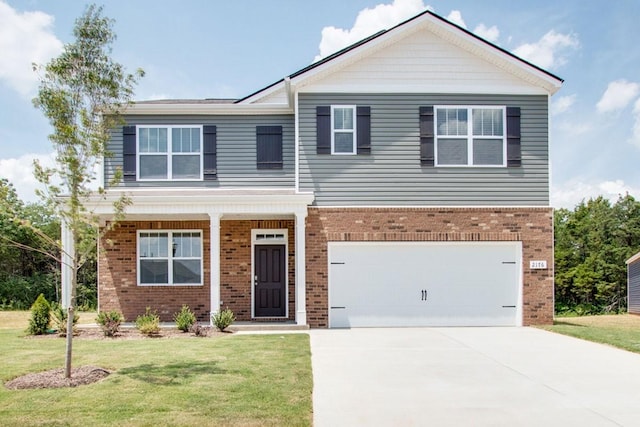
x: 82, y: 92
x: 592, y: 243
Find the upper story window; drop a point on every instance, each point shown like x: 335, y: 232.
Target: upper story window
x: 470, y: 136
x: 343, y: 129
x: 169, y: 153
x: 169, y: 257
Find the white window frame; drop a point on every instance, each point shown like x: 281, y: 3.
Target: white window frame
x: 170, y: 258
x: 469, y: 136
x: 169, y: 152
x: 354, y: 131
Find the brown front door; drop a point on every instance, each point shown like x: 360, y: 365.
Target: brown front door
x: 269, y: 281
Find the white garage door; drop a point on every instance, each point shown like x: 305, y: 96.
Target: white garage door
x: 424, y: 284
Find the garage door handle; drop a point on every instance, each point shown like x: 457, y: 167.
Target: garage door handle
x: 508, y: 306
x: 336, y: 308
x: 424, y: 296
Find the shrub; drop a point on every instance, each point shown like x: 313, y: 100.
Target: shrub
x: 223, y: 319
x: 109, y: 322
x: 59, y: 315
x: 184, y: 318
x: 39, y: 321
x: 148, y: 323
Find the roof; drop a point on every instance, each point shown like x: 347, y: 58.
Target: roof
x: 634, y: 258
x: 386, y: 33
x: 188, y: 101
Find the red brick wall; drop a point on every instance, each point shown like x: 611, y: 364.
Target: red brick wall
x: 118, y: 288
x: 235, y: 270
x: 532, y: 226
x: 117, y: 278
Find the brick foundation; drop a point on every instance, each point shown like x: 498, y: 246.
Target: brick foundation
x: 532, y: 226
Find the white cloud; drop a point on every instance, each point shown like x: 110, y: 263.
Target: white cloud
x: 455, y: 16
x: 549, y: 51
x: 368, y: 22
x: 25, y: 38
x: 491, y: 34
x: 19, y: 171
x: 573, y: 192
x: 618, y: 95
x: 562, y: 104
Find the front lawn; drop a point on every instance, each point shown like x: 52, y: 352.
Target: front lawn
x: 621, y: 330
x: 231, y: 380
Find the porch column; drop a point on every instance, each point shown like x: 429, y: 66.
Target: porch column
x: 66, y: 270
x: 214, y: 253
x: 301, y: 273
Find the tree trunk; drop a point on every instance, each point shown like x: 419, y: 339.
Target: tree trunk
x: 67, y: 356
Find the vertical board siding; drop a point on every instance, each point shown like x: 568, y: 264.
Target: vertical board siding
x: 393, y: 175
x: 633, y: 287
x: 236, y: 151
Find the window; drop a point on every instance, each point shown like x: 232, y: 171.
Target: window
x: 169, y: 152
x: 470, y: 136
x: 169, y: 258
x: 343, y: 129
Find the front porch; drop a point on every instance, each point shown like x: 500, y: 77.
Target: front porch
x: 252, y: 257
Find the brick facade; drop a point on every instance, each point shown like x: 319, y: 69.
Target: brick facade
x: 235, y: 264
x: 118, y: 283
x: 532, y: 226
x: 118, y: 288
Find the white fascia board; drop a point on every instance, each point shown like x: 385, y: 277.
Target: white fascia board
x: 428, y: 87
x: 209, y: 109
x: 633, y: 258
x: 164, y: 201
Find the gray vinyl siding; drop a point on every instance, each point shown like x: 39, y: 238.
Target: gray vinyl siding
x: 633, y: 287
x: 236, y: 151
x: 392, y: 174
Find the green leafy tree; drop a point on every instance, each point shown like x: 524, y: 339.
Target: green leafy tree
x: 82, y: 92
x: 592, y: 243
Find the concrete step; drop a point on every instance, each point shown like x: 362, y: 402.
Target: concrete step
x: 266, y: 326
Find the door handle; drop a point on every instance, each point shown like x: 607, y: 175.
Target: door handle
x: 255, y: 280
x: 424, y: 296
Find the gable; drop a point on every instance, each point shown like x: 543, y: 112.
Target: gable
x: 426, y: 53
x: 421, y: 63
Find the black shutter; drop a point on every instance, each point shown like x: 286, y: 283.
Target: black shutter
x: 323, y: 130
x: 427, y: 140
x: 129, y: 153
x: 514, y: 158
x: 269, y: 147
x: 363, y: 123
x: 209, y: 151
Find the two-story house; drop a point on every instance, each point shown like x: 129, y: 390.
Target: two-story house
x: 402, y: 181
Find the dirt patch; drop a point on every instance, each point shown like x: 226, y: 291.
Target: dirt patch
x: 55, y: 378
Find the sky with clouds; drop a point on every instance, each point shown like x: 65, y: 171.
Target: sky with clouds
x: 222, y: 49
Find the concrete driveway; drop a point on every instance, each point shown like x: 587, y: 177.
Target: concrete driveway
x: 470, y: 377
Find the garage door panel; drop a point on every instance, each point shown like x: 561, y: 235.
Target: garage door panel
x: 424, y: 284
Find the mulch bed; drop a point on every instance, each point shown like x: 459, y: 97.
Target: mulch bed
x: 91, y: 374
x: 55, y: 378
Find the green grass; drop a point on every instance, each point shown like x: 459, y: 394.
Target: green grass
x: 255, y: 380
x: 622, y: 331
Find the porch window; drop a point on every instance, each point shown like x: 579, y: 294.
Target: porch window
x: 170, y: 257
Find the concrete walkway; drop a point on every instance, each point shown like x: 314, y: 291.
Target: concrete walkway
x: 470, y: 377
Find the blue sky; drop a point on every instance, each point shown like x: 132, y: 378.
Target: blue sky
x: 207, y: 49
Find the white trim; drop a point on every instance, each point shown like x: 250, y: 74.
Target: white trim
x: 275, y: 241
x: 169, y: 258
x: 66, y: 268
x: 214, y: 264
x: 169, y: 153
x: 433, y: 207
x: 301, y: 266
x: 470, y: 137
x: 208, y: 109
x: 296, y: 142
x: 353, y: 131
